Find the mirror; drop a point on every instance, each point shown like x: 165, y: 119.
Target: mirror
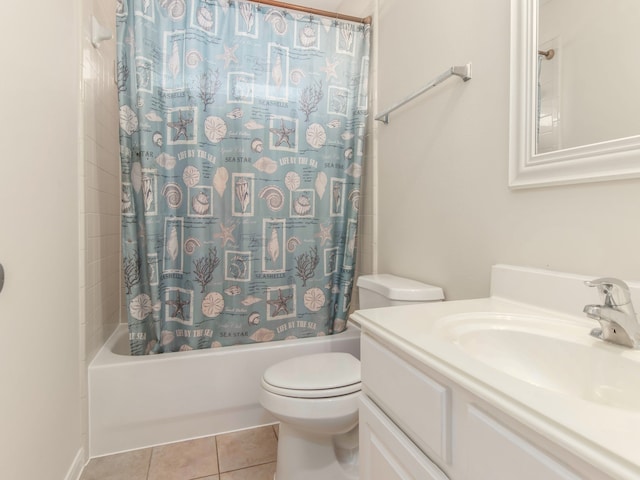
x: 575, y: 101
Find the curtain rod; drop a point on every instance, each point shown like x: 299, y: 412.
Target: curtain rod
x: 314, y: 11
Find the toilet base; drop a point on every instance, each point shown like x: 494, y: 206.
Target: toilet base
x: 309, y: 456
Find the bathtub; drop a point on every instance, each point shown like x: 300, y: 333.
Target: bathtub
x: 142, y: 401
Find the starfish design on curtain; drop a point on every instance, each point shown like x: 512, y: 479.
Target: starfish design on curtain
x: 330, y: 69
x: 280, y: 304
x: 226, y: 234
x: 229, y: 55
x: 324, y: 234
x: 178, y: 304
x: 283, y: 134
x: 180, y: 126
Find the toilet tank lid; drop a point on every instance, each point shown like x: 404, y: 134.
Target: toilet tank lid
x: 399, y: 288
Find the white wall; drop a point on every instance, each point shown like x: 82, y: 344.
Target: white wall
x: 40, y: 407
x: 445, y: 211
x: 100, y: 178
x: 59, y: 191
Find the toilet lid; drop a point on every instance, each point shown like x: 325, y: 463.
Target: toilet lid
x: 319, y: 375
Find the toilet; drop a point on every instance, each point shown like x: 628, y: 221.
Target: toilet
x: 315, y: 397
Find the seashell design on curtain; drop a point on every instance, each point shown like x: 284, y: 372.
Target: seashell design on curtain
x: 241, y: 130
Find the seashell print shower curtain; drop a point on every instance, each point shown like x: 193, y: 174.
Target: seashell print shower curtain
x: 241, y: 130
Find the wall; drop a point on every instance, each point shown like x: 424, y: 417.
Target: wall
x: 445, y: 211
x: 100, y: 178
x: 40, y: 306
x: 59, y: 192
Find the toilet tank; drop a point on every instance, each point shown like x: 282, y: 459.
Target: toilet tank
x: 386, y: 290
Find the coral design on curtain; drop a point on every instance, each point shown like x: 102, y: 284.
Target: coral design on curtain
x: 242, y: 131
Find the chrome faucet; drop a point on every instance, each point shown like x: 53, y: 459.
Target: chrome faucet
x: 617, y: 317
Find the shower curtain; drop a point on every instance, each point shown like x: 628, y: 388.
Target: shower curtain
x: 242, y: 131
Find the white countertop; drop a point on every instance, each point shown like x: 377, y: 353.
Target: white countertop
x: 604, y: 436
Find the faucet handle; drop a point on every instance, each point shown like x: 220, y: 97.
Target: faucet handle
x: 614, y: 292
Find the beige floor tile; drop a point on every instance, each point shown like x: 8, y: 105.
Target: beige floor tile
x: 184, y: 460
x: 246, y: 448
x: 261, y: 472
x: 276, y: 428
x: 122, y: 466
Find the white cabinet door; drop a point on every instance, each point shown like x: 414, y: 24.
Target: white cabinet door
x: 498, y: 453
x: 386, y: 453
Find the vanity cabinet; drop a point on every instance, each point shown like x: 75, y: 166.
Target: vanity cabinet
x: 417, y: 424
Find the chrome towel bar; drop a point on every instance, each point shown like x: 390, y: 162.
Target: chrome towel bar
x: 462, y: 71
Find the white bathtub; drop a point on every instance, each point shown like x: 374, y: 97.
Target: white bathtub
x: 141, y: 401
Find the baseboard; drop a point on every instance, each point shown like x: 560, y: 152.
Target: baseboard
x: 75, y: 470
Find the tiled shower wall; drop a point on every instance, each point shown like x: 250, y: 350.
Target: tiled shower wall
x: 100, y: 212
x: 102, y: 183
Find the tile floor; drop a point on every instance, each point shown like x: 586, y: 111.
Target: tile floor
x: 245, y: 455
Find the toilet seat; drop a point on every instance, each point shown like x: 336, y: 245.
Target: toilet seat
x: 325, y: 393
x: 321, y: 375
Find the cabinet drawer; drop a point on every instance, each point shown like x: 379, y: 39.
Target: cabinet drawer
x: 386, y: 453
x: 419, y: 405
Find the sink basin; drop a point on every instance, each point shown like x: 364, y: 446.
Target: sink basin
x: 555, y: 354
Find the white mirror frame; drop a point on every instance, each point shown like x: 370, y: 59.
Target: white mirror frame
x: 615, y: 159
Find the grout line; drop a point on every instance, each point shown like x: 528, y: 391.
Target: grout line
x: 206, y: 476
x: 149, y: 464
x: 247, y: 468
x: 217, y: 455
